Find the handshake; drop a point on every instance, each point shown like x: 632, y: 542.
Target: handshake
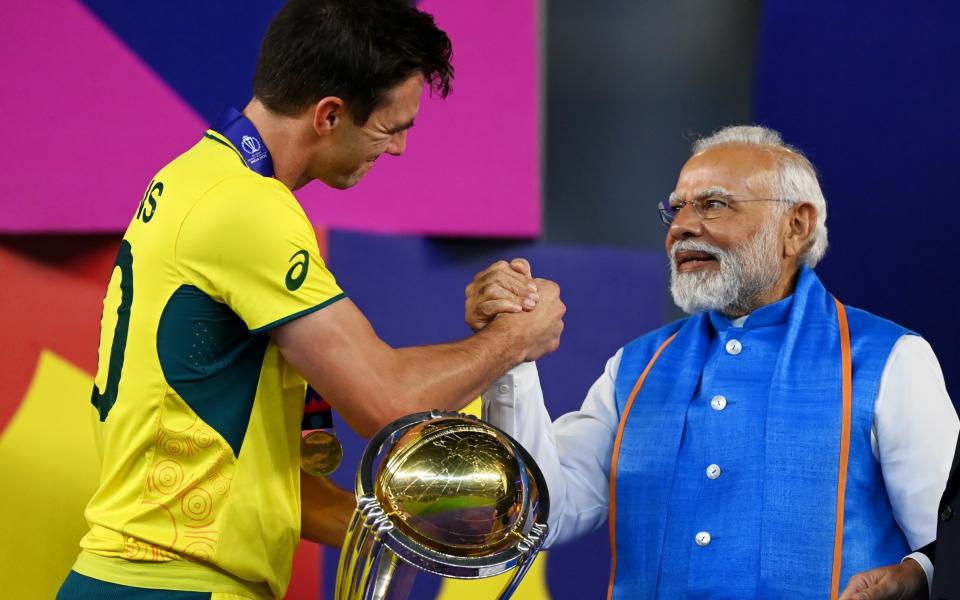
x: 506, y: 297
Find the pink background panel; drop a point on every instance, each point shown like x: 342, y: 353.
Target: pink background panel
x: 86, y: 122
x: 472, y: 165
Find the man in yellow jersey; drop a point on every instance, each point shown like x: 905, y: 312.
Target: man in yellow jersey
x: 220, y: 310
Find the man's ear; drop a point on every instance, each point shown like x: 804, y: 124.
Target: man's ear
x: 800, y: 227
x: 327, y: 114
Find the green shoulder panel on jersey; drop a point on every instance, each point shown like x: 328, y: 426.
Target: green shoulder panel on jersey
x: 210, y: 359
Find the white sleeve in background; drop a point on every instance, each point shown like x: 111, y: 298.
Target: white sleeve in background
x: 927, y: 567
x: 914, y: 435
x: 573, y: 453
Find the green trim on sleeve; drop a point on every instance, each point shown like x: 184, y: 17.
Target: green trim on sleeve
x: 297, y: 315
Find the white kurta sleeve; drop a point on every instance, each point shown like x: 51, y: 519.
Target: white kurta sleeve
x: 574, y: 453
x: 915, y: 429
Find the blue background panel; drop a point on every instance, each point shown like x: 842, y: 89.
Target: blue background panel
x: 206, y: 51
x: 868, y: 90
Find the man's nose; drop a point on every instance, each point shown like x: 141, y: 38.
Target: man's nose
x: 686, y: 223
x: 398, y: 143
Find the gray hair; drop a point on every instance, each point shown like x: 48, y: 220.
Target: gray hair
x: 795, y: 181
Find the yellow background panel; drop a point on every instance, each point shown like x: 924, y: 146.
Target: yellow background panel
x: 49, y: 468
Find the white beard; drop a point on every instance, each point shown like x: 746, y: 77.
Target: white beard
x: 745, y: 273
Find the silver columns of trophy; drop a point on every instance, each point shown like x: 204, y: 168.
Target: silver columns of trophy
x: 445, y: 493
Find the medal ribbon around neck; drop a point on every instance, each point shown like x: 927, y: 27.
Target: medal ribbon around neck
x: 244, y: 136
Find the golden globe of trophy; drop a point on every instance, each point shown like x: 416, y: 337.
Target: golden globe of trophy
x: 445, y: 493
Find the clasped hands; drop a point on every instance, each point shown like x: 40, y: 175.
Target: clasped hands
x: 531, y: 307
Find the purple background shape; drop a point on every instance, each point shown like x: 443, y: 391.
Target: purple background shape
x: 411, y: 289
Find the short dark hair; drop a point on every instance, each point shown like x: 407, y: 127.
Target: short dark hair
x: 356, y: 50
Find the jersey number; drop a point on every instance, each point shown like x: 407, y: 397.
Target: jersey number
x: 105, y: 401
x: 148, y: 206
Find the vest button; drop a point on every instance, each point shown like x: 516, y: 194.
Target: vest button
x: 703, y: 538
x: 734, y: 347
x: 713, y: 471
x: 946, y: 514
x: 718, y: 403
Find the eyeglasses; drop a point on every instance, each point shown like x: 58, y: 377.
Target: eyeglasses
x: 715, y: 206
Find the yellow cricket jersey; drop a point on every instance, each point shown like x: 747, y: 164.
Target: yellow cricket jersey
x: 200, y: 414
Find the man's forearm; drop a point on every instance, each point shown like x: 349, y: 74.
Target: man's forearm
x: 371, y: 384
x: 443, y: 376
x: 325, y: 511
x: 449, y: 376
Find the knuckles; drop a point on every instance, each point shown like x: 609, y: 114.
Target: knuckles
x: 489, y: 290
x: 546, y: 286
x: 522, y: 263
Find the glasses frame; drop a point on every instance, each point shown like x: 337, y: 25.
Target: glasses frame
x: 664, y: 208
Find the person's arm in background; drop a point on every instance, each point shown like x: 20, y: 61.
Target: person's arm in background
x: 914, y: 435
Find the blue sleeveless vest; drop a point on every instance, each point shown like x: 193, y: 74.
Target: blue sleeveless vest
x: 790, y: 450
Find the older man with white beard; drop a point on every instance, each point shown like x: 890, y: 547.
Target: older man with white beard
x: 772, y: 444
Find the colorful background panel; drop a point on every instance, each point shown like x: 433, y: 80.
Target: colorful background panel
x: 867, y: 90
x: 50, y: 313
x: 112, y: 91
